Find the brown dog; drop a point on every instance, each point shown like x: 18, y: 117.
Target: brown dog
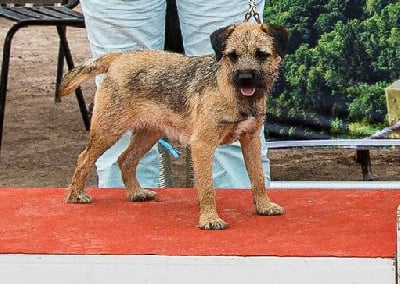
x: 202, y: 101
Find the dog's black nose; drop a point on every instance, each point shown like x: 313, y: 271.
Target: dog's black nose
x: 245, y: 77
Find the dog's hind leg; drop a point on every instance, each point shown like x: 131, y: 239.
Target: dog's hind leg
x: 99, y: 141
x: 142, y: 140
x: 251, y: 144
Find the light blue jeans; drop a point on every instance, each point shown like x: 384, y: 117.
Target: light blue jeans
x: 120, y: 25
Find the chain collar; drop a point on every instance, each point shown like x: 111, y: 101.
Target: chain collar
x: 252, y: 12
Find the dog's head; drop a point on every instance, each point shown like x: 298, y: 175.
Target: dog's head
x: 252, y: 53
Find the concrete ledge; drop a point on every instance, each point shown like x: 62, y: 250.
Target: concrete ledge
x: 63, y: 269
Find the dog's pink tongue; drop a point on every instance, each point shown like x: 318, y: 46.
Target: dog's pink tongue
x: 248, y: 91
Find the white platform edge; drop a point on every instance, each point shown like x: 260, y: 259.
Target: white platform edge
x: 65, y: 269
x: 364, y: 143
x: 335, y: 185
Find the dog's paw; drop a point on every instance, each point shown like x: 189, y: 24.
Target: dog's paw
x: 269, y: 209
x: 142, y: 195
x: 78, y: 197
x: 212, y: 223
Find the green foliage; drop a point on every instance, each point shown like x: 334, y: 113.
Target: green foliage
x: 368, y: 104
x: 336, y: 126
x: 342, y: 54
x: 362, y: 129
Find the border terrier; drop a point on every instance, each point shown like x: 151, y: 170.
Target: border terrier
x: 203, y: 101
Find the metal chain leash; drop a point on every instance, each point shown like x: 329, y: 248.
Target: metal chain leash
x: 252, y: 12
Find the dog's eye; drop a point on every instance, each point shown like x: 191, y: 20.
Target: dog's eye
x: 232, y: 55
x: 262, y: 55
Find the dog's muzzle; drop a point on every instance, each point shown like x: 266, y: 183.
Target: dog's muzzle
x: 247, y: 81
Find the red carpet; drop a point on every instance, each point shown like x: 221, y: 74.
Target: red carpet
x: 342, y: 223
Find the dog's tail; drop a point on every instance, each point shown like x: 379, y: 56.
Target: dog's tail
x: 85, y: 71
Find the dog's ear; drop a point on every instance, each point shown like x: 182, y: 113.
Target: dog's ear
x: 280, y: 34
x: 218, y: 40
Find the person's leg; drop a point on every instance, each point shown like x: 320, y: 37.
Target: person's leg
x: 198, y: 20
x: 229, y: 170
x: 118, y: 25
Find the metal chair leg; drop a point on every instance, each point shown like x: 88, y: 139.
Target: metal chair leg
x: 4, y: 75
x: 70, y: 63
x: 60, y: 72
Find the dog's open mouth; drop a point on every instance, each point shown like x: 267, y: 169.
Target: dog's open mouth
x: 248, y: 91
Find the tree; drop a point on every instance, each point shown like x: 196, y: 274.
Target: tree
x: 342, y: 55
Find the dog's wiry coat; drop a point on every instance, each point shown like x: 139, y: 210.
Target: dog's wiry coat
x: 203, y: 101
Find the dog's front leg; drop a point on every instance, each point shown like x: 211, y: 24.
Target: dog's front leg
x: 251, y: 147
x: 202, y: 156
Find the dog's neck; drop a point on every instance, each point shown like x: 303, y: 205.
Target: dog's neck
x: 247, y: 120
x: 248, y: 109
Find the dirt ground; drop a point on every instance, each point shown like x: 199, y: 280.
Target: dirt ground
x: 42, y: 139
